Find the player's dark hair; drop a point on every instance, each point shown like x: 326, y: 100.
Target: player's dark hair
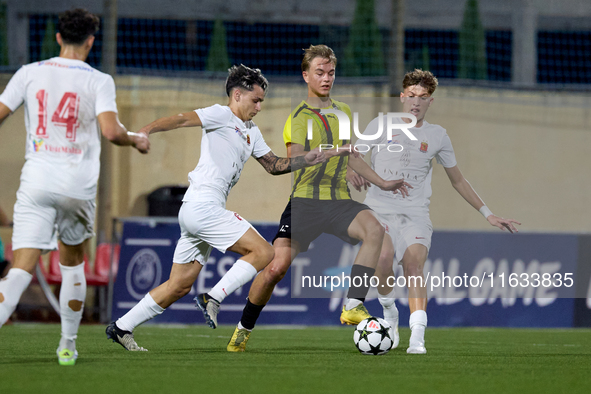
x: 315, y: 51
x: 76, y: 25
x: 425, y: 79
x: 245, y: 78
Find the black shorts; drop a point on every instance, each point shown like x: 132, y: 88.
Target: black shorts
x: 314, y: 217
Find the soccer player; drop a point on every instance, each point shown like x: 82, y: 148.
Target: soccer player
x: 320, y: 199
x: 229, y: 138
x: 407, y: 220
x: 64, y: 97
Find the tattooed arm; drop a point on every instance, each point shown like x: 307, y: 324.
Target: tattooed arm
x: 283, y: 165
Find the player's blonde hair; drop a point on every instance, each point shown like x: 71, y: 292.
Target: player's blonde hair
x: 425, y: 79
x: 315, y: 51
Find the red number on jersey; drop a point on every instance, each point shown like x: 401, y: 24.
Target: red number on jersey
x: 65, y: 115
x: 42, y: 127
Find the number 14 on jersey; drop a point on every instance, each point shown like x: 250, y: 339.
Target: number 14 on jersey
x: 65, y: 115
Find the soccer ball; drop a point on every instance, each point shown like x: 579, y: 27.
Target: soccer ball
x: 372, y: 336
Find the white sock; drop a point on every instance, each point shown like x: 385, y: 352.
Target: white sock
x: 387, y: 300
x: 240, y: 273
x: 352, y: 303
x: 388, y: 303
x: 241, y: 327
x: 72, y: 297
x: 417, y: 323
x: 145, y: 310
x: 11, y: 289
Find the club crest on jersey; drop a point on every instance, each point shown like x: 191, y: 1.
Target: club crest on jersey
x: 37, y: 144
x: 241, y: 134
x: 424, y: 146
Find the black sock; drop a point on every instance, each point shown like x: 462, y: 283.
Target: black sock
x: 250, y: 314
x: 360, y: 286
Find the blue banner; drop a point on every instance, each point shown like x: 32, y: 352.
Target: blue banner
x: 147, y: 247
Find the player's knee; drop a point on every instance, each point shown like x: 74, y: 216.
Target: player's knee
x: 386, y: 256
x: 375, y: 232
x: 274, y: 274
x: 414, y: 269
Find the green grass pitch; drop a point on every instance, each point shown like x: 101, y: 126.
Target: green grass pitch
x: 193, y: 359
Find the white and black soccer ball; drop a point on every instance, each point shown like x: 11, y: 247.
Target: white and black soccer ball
x: 372, y: 336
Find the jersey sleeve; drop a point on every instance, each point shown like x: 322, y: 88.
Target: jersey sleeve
x: 259, y: 147
x: 14, y: 94
x: 287, y: 131
x: 105, y: 96
x: 446, y: 156
x: 299, y: 129
x: 213, y: 117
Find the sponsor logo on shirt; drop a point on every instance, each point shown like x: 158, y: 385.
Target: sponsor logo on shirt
x: 55, y: 64
x: 248, y: 139
x: 37, y: 144
x: 424, y: 146
x: 40, y: 145
x: 237, y: 216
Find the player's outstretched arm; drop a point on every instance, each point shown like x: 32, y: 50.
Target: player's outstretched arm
x: 115, y: 132
x: 282, y: 165
x: 363, y: 169
x: 469, y: 194
x: 187, y: 119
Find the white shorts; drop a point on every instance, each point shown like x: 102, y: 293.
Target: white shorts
x: 41, y: 217
x: 406, y: 230
x: 205, y: 225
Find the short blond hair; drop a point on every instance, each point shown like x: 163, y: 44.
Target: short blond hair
x: 315, y: 51
x: 425, y: 79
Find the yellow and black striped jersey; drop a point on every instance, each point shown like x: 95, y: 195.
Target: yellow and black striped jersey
x: 324, y: 181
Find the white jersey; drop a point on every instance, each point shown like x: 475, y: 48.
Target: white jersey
x: 226, y: 145
x: 62, y: 100
x: 413, y: 163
